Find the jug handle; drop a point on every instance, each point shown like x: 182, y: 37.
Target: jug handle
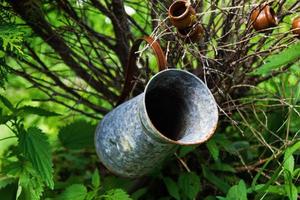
x: 132, y: 67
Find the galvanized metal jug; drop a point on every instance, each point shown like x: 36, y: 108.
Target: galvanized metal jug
x: 176, y: 108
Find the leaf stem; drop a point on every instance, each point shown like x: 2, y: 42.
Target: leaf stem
x: 7, y: 138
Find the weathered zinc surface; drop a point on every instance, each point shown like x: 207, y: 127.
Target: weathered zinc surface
x: 176, y: 109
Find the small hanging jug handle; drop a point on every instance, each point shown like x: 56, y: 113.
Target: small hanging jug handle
x: 132, y: 67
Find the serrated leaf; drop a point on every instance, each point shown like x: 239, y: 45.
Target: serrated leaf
x: 189, y: 184
x: 96, y: 179
x: 288, y: 55
x: 37, y: 111
x: 77, y: 135
x: 31, y: 187
x: 172, y: 187
x: 7, y: 103
x: 74, y: 192
x: 237, y: 192
x: 36, y: 148
x: 116, y: 194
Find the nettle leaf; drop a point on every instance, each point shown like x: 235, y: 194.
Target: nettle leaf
x: 77, y: 135
x: 36, y: 148
x: 291, y: 54
x: 116, y: 194
x: 189, y: 184
x: 7, y: 103
x: 172, y: 187
x: 74, y: 192
x: 96, y: 179
x: 37, y: 111
x: 237, y: 192
x: 31, y: 187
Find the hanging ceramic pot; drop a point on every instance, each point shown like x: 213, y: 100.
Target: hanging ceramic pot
x: 296, y: 26
x: 191, y: 34
x: 263, y: 17
x: 182, y: 14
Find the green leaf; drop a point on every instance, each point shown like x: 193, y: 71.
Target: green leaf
x: 292, y: 192
x: 37, y: 111
x: 189, y: 184
x: 78, y: 135
x: 139, y: 193
x: 74, y: 192
x: 2, y: 54
x: 288, y: 55
x: 274, y: 189
x: 237, y: 192
x: 289, y: 164
x: 116, y: 194
x: 31, y: 187
x: 184, y: 150
x: 213, y: 149
x: 4, y: 119
x: 172, y: 187
x: 5, y: 180
x: 96, y: 179
x: 7, y: 103
x: 36, y: 148
x: 212, y: 178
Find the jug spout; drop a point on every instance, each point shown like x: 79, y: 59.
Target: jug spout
x: 176, y: 108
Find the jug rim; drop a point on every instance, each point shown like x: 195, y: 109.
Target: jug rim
x: 161, y: 135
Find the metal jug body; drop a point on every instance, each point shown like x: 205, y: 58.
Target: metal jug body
x: 175, y: 109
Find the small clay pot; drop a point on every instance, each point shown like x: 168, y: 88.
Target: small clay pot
x: 263, y: 17
x: 191, y: 34
x: 296, y: 26
x: 182, y: 14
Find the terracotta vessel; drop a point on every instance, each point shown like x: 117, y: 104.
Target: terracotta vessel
x: 296, y: 26
x: 191, y: 34
x: 263, y: 17
x: 182, y: 14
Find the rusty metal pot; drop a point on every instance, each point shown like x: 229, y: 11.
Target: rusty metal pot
x: 182, y: 14
x: 176, y: 108
x: 191, y: 34
x: 263, y: 17
x: 296, y: 26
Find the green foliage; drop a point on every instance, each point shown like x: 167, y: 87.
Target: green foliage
x: 11, y: 37
x: 288, y: 55
x: 77, y: 135
x: 172, y: 187
x: 236, y: 192
x: 74, y: 192
x: 37, y: 111
x: 116, y: 194
x: 253, y: 155
x: 189, y: 184
x: 7, y: 103
x: 34, y: 145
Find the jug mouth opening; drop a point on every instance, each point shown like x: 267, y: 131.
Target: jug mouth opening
x: 178, y: 9
x: 180, y: 108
